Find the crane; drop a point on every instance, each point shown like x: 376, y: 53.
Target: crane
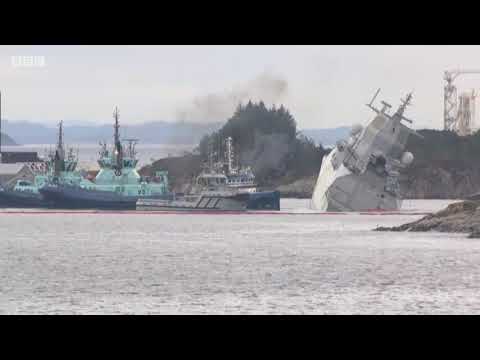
x: 450, y: 102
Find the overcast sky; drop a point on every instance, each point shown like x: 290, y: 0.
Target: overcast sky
x: 323, y: 86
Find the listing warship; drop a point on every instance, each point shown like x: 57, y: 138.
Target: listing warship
x: 221, y: 186
x: 118, y: 185
x: 59, y: 166
x: 362, y: 173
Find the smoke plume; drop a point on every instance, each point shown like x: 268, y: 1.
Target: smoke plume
x: 268, y: 154
x: 220, y: 106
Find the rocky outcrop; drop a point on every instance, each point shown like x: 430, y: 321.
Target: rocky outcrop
x: 440, y: 182
x: 181, y: 170
x: 460, y: 217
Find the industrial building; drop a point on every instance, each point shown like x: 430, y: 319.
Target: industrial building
x: 16, y: 165
x: 459, y: 111
x: 10, y: 173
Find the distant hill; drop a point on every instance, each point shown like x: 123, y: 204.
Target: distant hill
x: 7, y: 140
x: 327, y: 137
x: 160, y: 132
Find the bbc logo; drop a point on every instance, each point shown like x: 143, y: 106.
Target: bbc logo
x: 28, y: 61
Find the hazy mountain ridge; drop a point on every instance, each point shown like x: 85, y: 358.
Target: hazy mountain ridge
x: 159, y: 132
x: 7, y: 140
x: 327, y: 136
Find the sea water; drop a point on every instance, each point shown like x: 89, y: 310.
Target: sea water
x: 292, y: 262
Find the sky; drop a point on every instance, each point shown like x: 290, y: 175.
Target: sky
x: 322, y: 86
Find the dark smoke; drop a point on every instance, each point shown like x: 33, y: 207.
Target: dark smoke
x: 220, y: 106
x: 268, y: 155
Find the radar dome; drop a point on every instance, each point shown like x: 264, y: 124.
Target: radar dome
x: 407, y: 158
x: 356, y: 129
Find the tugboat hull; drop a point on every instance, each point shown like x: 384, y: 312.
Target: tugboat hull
x: 264, y: 200
x: 197, y: 203
x: 71, y: 197
x: 18, y: 199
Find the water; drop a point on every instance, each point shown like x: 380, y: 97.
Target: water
x: 88, y: 153
x: 304, y: 263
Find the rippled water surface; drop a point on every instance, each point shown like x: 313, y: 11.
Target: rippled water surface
x: 298, y: 263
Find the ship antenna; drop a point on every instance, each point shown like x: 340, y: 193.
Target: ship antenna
x: 374, y: 97
x: 118, y: 145
x: 116, y: 126
x: 385, y: 105
x: 0, y: 126
x: 230, y: 155
x: 401, y: 109
x: 210, y: 154
x: 60, y: 135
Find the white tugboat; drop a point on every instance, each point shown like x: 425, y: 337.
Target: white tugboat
x: 221, y: 186
x: 361, y: 174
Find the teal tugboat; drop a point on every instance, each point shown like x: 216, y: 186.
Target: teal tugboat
x: 59, y: 167
x: 118, y: 185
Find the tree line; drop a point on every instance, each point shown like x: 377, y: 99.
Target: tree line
x: 267, y: 140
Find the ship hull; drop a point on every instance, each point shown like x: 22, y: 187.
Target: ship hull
x: 69, y: 197
x: 264, y: 200
x: 17, y: 199
x: 199, y: 203
x: 341, y: 190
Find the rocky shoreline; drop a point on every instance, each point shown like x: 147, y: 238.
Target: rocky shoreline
x: 460, y: 217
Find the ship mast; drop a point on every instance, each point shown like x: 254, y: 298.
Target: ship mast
x: 401, y: 108
x: 118, y: 144
x: 230, y: 155
x: 59, y: 159
x: 210, y: 155
x: 60, y: 145
x: 116, y: 126
x: 398, y: 116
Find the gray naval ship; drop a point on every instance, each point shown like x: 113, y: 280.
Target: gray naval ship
x: 361, y: 173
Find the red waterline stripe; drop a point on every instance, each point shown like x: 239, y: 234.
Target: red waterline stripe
x: 134, y: 212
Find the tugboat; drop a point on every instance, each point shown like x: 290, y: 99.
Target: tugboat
x: 242, y: 179
x: 221, y: 186
x: 361, y: 174
x: 57, y: 167
x: 118, y: 185
x: 23, y: 195
x: 210, y: 192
